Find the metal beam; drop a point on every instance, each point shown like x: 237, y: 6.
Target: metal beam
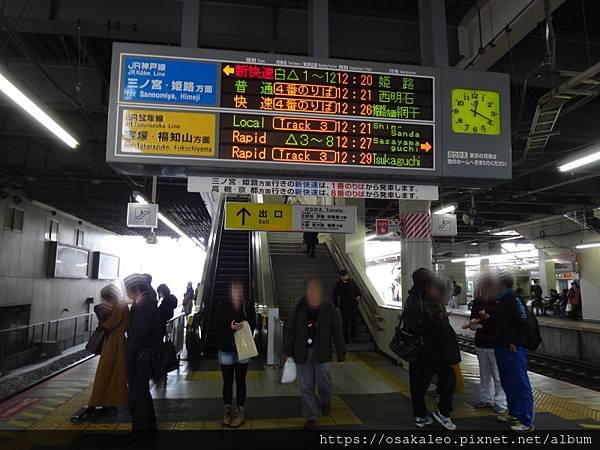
x: 190, y: 23
x: 318, y: 28
x: 433, y: 33
x: 492, y: 27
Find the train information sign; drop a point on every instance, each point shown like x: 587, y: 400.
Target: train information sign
x: 208, y: 112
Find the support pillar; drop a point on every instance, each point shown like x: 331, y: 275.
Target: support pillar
x: 547, y: 272
x: 190, y: 23
x: 415, y: 252
x: 433, y: 33
x: 318, y: 28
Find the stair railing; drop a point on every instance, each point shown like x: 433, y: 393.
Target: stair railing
x: 368, y: 306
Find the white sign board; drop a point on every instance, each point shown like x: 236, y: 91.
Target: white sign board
x: 345, y: 189
x: 141, y: 215
x: 444, y: 225
x: 325, y: 219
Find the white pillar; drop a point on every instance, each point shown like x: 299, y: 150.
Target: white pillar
x: 415, y: 252
x: 547, y: 272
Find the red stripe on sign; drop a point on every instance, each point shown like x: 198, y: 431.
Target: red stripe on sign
x: 416, y: 225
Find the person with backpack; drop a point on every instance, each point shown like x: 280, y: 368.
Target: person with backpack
x: 424, y: 317
x: 517, y: 332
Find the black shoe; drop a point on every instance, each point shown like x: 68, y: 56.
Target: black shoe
x: 326, y: 409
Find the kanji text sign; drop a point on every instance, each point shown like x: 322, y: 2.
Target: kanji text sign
x: 278, y: 114
x: 275, y: 114
x: 281, y: 186
x: 258, y: 216
x: 284, y: 217
x: 164, y: 80
x: 166, y: 132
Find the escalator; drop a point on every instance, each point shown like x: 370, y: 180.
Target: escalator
x: 228, y: 258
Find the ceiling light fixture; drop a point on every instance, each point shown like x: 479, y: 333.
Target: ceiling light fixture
x: 583, y: 161
x: 445, y: 210
x: 17, y: 96
x: 591, y: 245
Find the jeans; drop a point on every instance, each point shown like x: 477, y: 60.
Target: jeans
x: 490, y: 388
x: 313, y: 375
x: 512, y: 367
x: 420, y: 374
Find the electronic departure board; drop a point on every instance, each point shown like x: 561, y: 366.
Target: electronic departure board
x: 206, y: 111
x: 355, y: 104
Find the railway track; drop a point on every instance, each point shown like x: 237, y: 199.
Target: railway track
x: 574, y: 372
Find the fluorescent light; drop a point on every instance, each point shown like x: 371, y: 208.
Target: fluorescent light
x: 445, y: 210
x: 583, y: 161
x: 167, y: 222
x: 513, y: 238
x: 15, y: 94
x: 591, y: 245
x: 140, y: 199
x: 506, y: 233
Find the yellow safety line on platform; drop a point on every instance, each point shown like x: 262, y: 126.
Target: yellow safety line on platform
x: 206, y: 375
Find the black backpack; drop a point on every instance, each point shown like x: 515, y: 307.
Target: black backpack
x: 528, y: 327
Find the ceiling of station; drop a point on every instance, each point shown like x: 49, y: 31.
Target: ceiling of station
x: 60, y: 51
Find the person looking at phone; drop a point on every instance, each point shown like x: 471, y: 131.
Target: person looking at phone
x: 231, y: 312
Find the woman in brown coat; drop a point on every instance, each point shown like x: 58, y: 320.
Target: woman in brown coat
x: 110, y: 382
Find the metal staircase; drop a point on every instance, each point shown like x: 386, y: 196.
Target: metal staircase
x: 579, y: 89
x: 292, y: 270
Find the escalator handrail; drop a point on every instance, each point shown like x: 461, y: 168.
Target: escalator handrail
x: 368, y: 302
x: 210, y: 272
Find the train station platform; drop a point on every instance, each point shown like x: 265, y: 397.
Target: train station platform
x: 565, y: 339
x: 370, y: 393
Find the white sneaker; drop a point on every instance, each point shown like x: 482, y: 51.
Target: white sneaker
x: 446, y: 422
x: 500, y: 410
x: 520, y: 428
x: 506, y: 418
x: 423, y: 421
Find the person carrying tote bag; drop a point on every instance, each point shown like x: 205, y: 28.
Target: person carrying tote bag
x: 235, y: 323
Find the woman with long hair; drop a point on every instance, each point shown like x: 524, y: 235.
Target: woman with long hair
x: 231, y: 312
x: 110, y: 382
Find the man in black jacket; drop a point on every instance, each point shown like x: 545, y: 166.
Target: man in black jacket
x: 143, y: 335
x: 346, y: 296
x: 313, y: 325
x: 167, y: 306
x: 425, y: 316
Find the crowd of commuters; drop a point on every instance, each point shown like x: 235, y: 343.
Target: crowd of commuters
x: 566, y: 304
x: 133, y: 327
x: 504, y: 331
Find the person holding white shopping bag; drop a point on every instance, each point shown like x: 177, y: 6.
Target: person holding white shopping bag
x: 313, y: 325
x: 235, y: 323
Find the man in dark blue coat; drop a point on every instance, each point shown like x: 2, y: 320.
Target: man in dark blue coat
x: 143, y: 335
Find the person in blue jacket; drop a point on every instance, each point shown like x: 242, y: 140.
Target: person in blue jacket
x: 511, y: 357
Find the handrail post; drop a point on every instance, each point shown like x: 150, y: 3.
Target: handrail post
x: 75, y: 332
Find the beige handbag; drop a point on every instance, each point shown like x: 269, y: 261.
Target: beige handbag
x: 244, y: 342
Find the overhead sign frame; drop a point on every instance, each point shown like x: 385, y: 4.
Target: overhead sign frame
x: 487, y: 157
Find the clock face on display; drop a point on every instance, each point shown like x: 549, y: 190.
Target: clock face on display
x: 475, y: 111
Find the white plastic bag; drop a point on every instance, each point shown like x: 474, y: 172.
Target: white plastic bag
x: 289, y: 371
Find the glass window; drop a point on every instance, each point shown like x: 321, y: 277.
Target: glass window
x: 13, y: 219
x: 52, y: 230
x: 79, y: 237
